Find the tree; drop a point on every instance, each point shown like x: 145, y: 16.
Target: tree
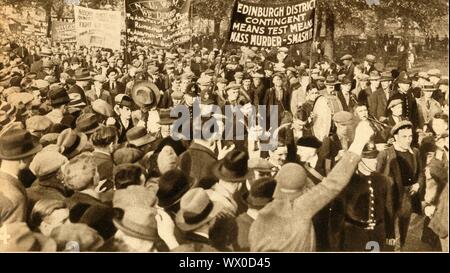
x: 213, y: 10
x: 339, y: 12
x: 412, y: 12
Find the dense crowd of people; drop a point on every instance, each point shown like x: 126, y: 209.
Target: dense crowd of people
x: 89, y: 155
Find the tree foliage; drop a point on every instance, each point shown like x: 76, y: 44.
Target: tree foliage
x: 421, y: 12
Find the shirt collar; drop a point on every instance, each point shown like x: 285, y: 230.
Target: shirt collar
x: 202, y: 234
x: 253, y: 213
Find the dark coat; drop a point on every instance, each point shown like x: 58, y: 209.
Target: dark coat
x: 388, y: 165
x: 410, y: 108
x: 13, y: 200
x: 347, y: 107
x: 118, y: 89
x: 378, y: 103
x: 353, y: 205
x: 198, y: 161
x: 49, y: 188
x: 93, y: 212
x: 105, y: 165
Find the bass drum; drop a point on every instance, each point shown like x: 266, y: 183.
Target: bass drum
x: 324, y: 109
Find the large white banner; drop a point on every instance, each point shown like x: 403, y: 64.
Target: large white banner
x: 99, y: 28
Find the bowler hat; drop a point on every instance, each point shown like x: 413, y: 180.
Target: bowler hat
x: 374, y: 76
x: 172, y: 185
x: 139, y: 137
x: 138, y: 223
x: 196, y: 209
x: 443, y: 81
x: 309, y: 141
x: 261, y: 193
x: 232, y: 168
x: 16, y: 144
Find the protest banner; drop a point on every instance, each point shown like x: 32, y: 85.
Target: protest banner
x: 63, y: 32
x: 272, y: 25
x: 99, y: 28
x: 158, y: 23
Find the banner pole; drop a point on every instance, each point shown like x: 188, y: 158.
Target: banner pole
x: 126, y: 36
x: 313, y: 43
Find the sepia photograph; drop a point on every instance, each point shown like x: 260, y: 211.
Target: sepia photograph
x: 224, y: 126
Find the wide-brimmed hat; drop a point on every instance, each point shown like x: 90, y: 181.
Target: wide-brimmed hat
x: 82, y: 74
x: 331, y: 80
x: 138, y: 136
x: 261, y: 193
x: 196, y: 209
x: 17, y: 143
x: 87, y: 123
x: 386, y: 76
x: 138, y: 223
x: 374, y: 76
x: 172, y: 185
x: 71, y: 142
x: 145, y: 94
x: 232, y: 168
x: 428, y: 86
x: 58, y: 96
x: 164, y: 117
x: 22, y: 239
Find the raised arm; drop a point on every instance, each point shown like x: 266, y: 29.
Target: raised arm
x: 320, y: 195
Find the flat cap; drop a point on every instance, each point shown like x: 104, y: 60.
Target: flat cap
x: 402, y: 124
x: 394, y: 103
x: 343, y: 117
x: 346, y: 57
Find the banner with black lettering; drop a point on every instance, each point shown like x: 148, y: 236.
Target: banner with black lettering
x: 158, y: 23
x: 272, y: 25
x: 99, y: 28
x: 63, y: 32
